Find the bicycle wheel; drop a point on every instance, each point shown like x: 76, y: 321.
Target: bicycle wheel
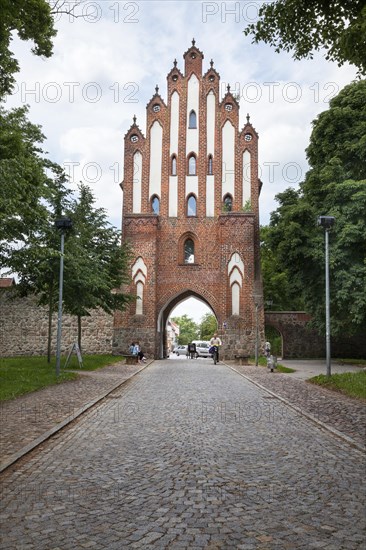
x: 215, y: 357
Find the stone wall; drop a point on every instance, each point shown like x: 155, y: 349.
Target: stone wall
x: 298, y: 340
x: 24, y: 329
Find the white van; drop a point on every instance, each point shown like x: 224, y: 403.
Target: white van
x: 202, y: 348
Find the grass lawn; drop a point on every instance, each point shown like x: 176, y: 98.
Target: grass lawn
x: 349, y: 383
x: 19, y: 375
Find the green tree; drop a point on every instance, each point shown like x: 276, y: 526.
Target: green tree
x: 338, y: 26
x: 23, y: 179
x: 188, y: 329
x: 278, y: 291
x: 36, y: 260
x: 31, y: 20
x: 208, y: 326
x: 95, y: 261
x: 335, y: 185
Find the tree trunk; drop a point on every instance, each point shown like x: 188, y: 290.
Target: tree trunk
x: 79, y: 332
x: 50, y: 308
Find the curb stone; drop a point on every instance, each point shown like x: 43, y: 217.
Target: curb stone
x: 49, y: 433
x: 307, y: 415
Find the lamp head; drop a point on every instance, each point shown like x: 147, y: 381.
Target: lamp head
x: 63, y: 223
x: 326, y: 221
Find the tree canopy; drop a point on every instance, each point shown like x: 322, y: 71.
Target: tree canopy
x: 33, y: 194
x: 32, y: 20
x: 188, y: 329
x: 278, y: 292
x: 208, y: 326
x: 338, y: 26
x: 335, y: 185
x: 23, y: 178
x: 95, y: 262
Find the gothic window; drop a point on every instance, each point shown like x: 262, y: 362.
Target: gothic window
x: 228, y: 203
x: 235, y: 299
x: 191, y: 206
x: 210, y: 165
x: 192, y: 170
x: 139, y: 274
x: 174, y: 165
x: 189, y: 251
x: 192, y: 119
x: 140, y: 297
x: 155, y: 204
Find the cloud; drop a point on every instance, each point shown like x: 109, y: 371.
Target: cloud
x: 106, y: 65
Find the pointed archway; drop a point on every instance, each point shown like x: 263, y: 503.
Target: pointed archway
x: 167, y: 309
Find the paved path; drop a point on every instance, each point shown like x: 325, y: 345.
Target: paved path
x: 307, y: 368
x: 28, y: 417
x: 187, y: 455
x: 338, y: 412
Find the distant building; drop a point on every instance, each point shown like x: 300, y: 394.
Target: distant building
x: 172, y: 333
x: 7, y: 282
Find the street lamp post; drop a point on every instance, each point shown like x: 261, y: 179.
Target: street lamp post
x: 257, y: 303
x: 62, y: 224
x: 256, y: 334
x: 327, y: 222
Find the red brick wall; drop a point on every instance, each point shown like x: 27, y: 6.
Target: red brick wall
x: 159, y: 239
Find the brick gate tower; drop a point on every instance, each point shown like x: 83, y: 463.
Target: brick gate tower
x: 190, y: 211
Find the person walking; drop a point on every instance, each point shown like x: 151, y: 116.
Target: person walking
x: 267, y: 349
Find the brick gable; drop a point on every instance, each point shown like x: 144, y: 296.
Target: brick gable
x: 217, y: 235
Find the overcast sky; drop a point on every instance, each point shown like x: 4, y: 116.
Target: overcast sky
x: 107, y: 63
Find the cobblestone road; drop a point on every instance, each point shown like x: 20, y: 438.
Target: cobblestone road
x: 187, y: 455
x: 27, y: 417
x: 345, y: 414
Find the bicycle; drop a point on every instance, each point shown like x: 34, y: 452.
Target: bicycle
x: 215, y: 354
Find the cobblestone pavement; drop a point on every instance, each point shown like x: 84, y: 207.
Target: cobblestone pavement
x: 24, y: 419
x: 187, y: 455
x: 344, y: 414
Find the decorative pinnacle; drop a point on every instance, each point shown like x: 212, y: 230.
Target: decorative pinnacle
x: 175, y: 62
x: 193, y: 41
x: 134, y: 119
x: 211, y: 63
x: 248, y: 117
x: 228, y: 87
x: 156, y: 89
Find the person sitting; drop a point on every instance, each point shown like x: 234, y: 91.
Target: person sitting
x: 139, y: 353
x: 132, y: 349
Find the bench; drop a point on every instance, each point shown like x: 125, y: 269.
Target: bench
x: 131, y: 359
x: 243, y: 359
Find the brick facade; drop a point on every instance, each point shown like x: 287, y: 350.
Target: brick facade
x: 177, y: 166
